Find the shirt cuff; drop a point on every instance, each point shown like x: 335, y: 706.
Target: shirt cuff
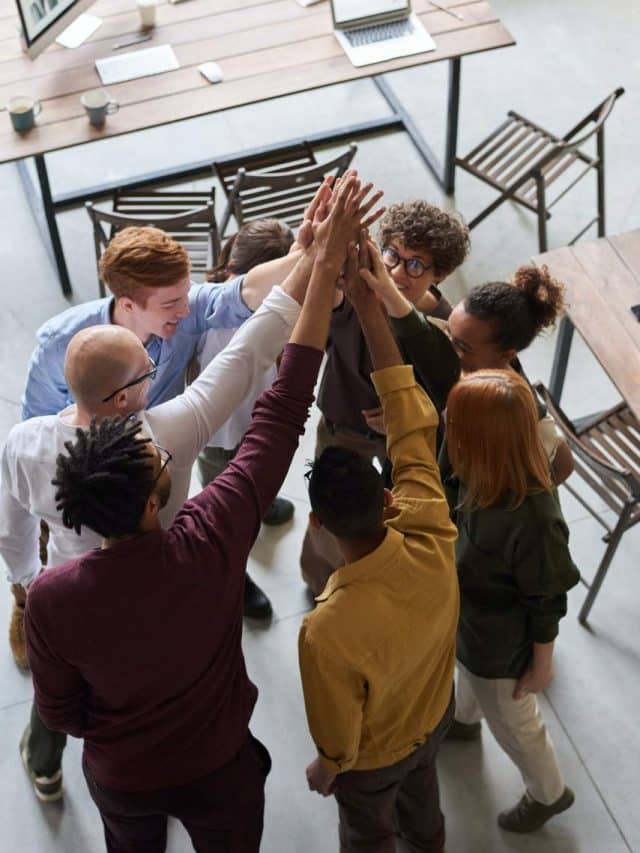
x: 393, y: 379
x: 298, y: 363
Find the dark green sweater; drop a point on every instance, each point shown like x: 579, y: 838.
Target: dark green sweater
x: 514, y: 569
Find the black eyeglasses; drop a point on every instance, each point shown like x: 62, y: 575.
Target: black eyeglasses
x: 165, y: 457
x: 150, y: 374
x: 413, y: 266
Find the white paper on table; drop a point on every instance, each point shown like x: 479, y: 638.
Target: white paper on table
x: 79, y: 31
x: 308, y: 2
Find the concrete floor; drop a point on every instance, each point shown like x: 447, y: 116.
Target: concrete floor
x: 568, y: 57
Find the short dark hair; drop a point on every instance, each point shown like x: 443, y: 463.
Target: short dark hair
x: 105, y: 480
x: 518, y: 311
x: 424, y: 227
x: 346, y: 493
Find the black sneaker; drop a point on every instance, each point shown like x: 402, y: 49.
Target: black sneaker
x: 48, y: 788
x: 529, y: 815
x: 280, y: 511
x: 256, y: 603
x: 463, y: 731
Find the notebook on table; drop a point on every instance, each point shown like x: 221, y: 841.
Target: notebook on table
x: 137, y: 63
x: 373, y: 31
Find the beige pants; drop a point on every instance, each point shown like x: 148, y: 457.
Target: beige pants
x: 518, y: 727
x: 320, y: 553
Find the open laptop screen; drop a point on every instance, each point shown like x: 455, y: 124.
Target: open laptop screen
x: 345, y: 11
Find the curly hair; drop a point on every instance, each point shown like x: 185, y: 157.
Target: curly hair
x: 142, y: 257
x: 424, y: 227
x: 518, y: 311
x: 106, y: 479
x: 255, y: 243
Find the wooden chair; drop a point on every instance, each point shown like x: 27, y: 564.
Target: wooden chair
x: 278, y: 183
x: 189, y: 217
x: 522, y: 160
x: 606, y: 452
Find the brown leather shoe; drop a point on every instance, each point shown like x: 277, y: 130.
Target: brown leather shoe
x: 16, y: 627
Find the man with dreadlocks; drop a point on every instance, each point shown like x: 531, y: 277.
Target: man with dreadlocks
x: 154, y: 680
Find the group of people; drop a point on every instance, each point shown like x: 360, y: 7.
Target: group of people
x: 435, y: 540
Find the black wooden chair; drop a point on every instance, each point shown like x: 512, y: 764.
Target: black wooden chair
x: 278, y: 183
x: 522, y: 160
x: 606, y: 450
x: 189, y: 217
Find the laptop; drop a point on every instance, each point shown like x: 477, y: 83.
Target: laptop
x: 373, y: 31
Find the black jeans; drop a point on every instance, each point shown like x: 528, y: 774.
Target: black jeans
x: 222, y: 812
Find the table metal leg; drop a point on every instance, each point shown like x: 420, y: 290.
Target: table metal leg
x: 43, y: 209
x: 444, y: 173
x: 561, y: 358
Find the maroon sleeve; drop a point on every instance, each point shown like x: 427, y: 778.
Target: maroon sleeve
x: 60, y: 691
x: 233, y: 505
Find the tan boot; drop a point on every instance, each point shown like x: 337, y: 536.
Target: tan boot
x: 16, y: 627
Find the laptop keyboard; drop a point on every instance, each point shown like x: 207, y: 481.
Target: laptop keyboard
x: 381, y: 32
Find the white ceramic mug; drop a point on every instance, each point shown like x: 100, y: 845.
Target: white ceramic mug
x: 147, y: 10
x: 23, y: 111
x: 98, y: 105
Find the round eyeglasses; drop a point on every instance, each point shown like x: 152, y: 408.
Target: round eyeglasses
x: 414, y: 267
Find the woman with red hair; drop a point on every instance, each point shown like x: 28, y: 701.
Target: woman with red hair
x: 514, y: 569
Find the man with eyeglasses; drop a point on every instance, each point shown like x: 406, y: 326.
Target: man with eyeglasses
x: 157, y: 687
x: 421, y: 246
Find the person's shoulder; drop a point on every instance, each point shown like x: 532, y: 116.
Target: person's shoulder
x: 64, y: 325
x: 54, y: 582
x: 28, y: 437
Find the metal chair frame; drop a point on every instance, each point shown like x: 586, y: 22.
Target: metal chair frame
x: 618, y: 485
x: 546, y: 157
x: 282, y: 190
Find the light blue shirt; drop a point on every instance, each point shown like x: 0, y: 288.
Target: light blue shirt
x: 211, y: 306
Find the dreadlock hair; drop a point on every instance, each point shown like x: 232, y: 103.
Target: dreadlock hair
x: 106, y: 479
x: 346, y: 493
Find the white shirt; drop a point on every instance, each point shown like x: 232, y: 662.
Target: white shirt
x: 182, y: 425
x: 231, y: 432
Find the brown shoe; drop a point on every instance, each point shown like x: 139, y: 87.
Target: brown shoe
x: 16, y: 628
x: 529, y: 815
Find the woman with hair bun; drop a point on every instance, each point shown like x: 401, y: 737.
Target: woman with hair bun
x: 514, y: 569
x: 487, y: 329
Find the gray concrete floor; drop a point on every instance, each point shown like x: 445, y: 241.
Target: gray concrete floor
x: 568, y: 57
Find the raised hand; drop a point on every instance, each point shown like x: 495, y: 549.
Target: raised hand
x: 381, y: 283
x: 336, y: 222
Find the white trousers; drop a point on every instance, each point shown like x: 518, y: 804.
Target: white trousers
x: 518, y: 727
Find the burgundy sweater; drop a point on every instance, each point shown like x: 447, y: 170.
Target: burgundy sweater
x: 137, y: 648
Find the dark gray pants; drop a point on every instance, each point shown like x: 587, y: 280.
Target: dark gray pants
x: 45, y: 746
x: 377, y: 805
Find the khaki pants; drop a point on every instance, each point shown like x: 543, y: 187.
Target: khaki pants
x: 320, y: 555
x: 518, y: 727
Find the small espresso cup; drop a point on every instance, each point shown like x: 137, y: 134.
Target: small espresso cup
x: 98, y: 105
x: 23, y: 111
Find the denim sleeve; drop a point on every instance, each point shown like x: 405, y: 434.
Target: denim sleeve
x: 46, y: 391
x: 215, y: 306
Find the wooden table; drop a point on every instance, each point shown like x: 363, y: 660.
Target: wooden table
x: 266, y: 49
x: 602, y: 279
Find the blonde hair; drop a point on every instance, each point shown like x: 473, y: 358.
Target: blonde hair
x: 493, y: 440
x: 138, y: 258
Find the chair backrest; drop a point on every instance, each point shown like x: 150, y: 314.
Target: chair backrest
x: 196, y: 228
x: 283, y: 194
x: 615, y: 485
x: 597, y: 116
x: 287, y: 159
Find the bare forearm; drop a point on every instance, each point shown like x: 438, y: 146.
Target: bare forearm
x: 297, y: 281
x: 312, y: 328
x: 379, y: 337
x: 259, y: 281
x: 542, y: 656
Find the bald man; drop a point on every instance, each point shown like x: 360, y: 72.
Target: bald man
x: 109, y: 372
